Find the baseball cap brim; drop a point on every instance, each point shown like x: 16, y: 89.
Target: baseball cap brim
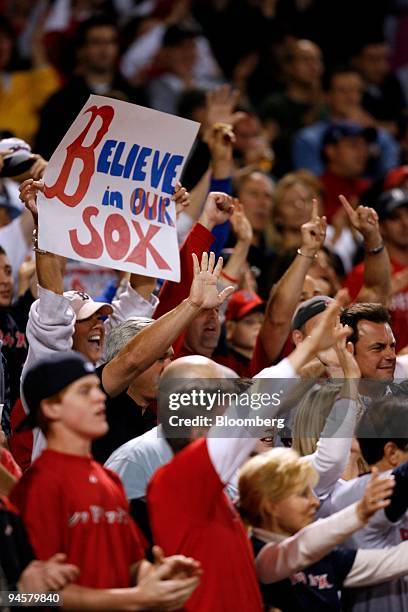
x: 251, y: 307
x: 90, y: 307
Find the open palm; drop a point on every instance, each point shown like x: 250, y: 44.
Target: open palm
x: 204, y: 290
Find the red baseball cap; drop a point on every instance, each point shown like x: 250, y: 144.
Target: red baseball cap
x: 395, y: 177
x: 242, y: 303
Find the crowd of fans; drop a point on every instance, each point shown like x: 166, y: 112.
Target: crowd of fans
x: 292, y: 221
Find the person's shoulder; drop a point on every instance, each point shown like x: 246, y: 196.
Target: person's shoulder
x: 140, y: 454
x: 191, y: 458
x: 74, y: 88
x: 41, y: 476
x: 313, y: 131
x: 113, y: 476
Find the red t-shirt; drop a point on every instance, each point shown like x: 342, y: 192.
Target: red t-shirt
x: 398, y: 305
x: 237, y: 362
x: 73, y: 505
x: 191, y: 515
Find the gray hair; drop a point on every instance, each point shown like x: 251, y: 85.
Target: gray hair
x: 120, y: 335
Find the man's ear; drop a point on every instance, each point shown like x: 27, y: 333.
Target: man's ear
x: 51, y: 410
x: 392, y: 454
x: 297, y: 337
x: 350, y: 348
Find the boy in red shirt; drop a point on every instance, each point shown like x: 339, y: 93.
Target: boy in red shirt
x: 71, y: 504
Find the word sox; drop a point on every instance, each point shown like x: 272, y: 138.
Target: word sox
x: 123, y: 239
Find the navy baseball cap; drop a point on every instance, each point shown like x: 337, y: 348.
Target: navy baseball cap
x: 389, y: 201
x: 308, y: 309
x: 339, y: 130
x: 48, y: 377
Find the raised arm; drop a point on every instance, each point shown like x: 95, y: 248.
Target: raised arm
x: 376, y: 566
x: 333, y: 448
x: 217, y: 209
x: 277, y: 561
x: 377, y: 268
x: 228, y: 447
x: 233, y: 270
x: 150, y: 344
x: 285, y: 295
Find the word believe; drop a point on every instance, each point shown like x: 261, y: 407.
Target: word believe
x: 122, y: 238
x: 114, y: 161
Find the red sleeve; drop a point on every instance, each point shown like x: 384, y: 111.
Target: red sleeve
x: 39, y: 501
x: 171, y: 294
x: 259, y: 359
x: 355, y: 281
x: 187, y: 485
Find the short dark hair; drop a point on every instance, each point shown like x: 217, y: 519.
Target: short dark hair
x: 2, y: 251
x: 189, y: 101
x: 364, y: 311
x: 329, y: 75
x: 384, y: 418
x: 96, y: 21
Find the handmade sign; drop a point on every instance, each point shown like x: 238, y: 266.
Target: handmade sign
x: 108, y: 187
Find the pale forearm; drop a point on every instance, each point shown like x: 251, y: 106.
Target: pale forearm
x: 377, y: 274
x: 49, y: 272
x: 234, y: 266
x: 282, y: 303
x: 198, y: 195
x: 278, y: 561
x: 144, y: 285
x: 221, y: 169
x: 147, y: 347
x: 82, y: 598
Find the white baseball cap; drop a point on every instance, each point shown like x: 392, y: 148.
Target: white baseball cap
x: 84, y: 306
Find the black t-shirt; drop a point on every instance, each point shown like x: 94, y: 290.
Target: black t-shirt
x: 314, y: 588
x: 15, y: 549
x: 126, y: 420
x: 13, y: 323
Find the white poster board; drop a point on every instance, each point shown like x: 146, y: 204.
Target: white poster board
x: 108, y: 188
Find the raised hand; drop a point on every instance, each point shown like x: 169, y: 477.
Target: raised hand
x: 344, y: 352
x: 204, y: 291
x: 313, y: 232
x: 38, y: 168
x: 28, y: 195
x: 327, y: 333
x: 365, y: 221
x: 220, y: 139
x: 376, y: 495
x: 181, y: 198
x: 240, y: 224
x: 218, y: 208
x: 220, y: 105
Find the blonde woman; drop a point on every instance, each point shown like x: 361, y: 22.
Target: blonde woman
x: 297, y: 563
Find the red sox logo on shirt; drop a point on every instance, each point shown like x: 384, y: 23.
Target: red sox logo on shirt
x: 97, y: 514
x: 319, y: 580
